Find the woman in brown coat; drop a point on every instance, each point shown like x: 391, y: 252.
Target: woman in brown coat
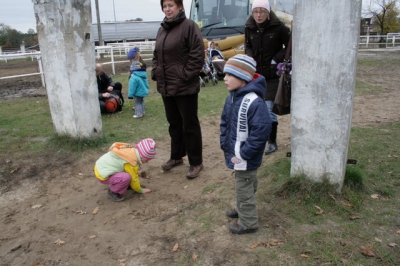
x: 178, y: 59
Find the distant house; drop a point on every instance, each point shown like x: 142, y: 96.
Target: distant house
x: 126, y: 31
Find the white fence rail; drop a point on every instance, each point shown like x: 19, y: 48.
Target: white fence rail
x: 392, y: 40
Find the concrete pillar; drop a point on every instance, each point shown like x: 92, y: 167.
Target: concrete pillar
x: 64, y: 32
x: 22, y: 47
x: 325, y: 42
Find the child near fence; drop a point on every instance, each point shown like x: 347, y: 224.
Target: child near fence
x: 138, y: 83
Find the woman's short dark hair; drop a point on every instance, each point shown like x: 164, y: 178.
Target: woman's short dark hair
x: 179, y: 3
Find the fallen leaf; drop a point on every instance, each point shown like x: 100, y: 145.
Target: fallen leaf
x: 194, y: 257
x: 38, y: 264
x: 342, y: 243
x: 304, y: 256
x: 320, y: 211
x: 80, y: 174
x: 185, y: 187
x: 330, y: 195
x: 122, y: 262
x: 59, y: 242
x: 37, y: 206
x: 375, y: 196
x: 176, y: 246
x: 8, y: 161
x: 96, y: 210
x: 367, y: 251
x: 274, y: 243
x: 15, y: 170
x: 347, y: 204
x: 378, y: 240
x: 398, y: 231
x: 92, y: 236
x: 393, y: 245
x: 80, y: 212
x: 354, y: 217
x: 254, y: 245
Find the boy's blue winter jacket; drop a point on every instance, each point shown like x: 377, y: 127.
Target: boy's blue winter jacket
x: 138, y: 85
x: 258, y: 121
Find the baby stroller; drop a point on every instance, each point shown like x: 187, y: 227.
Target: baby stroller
x: 207, y: 75
x: 216, y: 62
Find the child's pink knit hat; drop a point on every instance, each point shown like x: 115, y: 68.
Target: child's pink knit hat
x: 146, y: 149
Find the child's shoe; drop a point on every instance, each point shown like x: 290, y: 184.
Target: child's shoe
x: 137, y: 116
x: 115, y: 196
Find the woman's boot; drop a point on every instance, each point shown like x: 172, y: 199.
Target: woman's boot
x: 272, y: 146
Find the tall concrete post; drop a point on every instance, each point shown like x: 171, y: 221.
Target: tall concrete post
x: 64, y: 32
x: 325, y: 42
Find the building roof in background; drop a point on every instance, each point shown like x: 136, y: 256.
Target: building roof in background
x: 130, y: 31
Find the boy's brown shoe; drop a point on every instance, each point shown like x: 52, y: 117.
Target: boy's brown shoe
x: 194, y: 171
x: 171, y: 164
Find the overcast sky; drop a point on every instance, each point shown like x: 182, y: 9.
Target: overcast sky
x: 19, y: 14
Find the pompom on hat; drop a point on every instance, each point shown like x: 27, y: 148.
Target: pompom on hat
x: 261, y: 4
x: 241, y: 66
x: 133, y: 53
x: 146, y: 149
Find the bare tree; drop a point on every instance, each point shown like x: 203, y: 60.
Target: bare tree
x: 385, y: 14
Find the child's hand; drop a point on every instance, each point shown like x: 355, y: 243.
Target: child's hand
x: 146, y: 190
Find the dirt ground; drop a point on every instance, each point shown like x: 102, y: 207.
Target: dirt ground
x: 47, y: 217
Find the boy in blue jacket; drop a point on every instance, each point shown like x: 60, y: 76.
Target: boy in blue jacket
x: 245, y: 122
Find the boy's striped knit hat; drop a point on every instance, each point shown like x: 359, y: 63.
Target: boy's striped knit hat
x: 146, y: 149
x: 241, y: 66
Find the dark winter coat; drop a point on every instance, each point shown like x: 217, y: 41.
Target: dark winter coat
x: 267, y: 45
x: 258, y: 126
x: 103, y: 81
x: 178, y: 57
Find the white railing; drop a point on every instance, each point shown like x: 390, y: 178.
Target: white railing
x: 37, y: 55
x: 392, y: 40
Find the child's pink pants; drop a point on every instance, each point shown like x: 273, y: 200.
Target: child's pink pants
x: 118, y: 182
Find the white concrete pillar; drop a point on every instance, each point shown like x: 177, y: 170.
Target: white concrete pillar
x: 325, y: 42
x: 64, y: 32
x: 22, y: 47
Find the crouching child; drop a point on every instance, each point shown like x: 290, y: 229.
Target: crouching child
x: 119, y: 167
x: 245, y: 127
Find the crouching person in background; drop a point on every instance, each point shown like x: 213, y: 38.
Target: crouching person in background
x: 119, y: 168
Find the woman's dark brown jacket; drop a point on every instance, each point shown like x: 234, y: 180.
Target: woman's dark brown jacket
x: 265, y: 45
x: 178, y: 57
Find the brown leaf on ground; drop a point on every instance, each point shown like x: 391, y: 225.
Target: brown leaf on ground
x: 378, y: 240
x: 59, y: 242
x: 37, y: 206
x: 320, y: 211
x: 375, y: 196
x: 176, y: 247
x: 347, y: 204
x: 15, y: 170
x: 122, y: 262
x: 304, y: 256
x: 38, y: 264
x: 367, y: 251
x: 95, y: 210
x: 194, y: 257
x: 275, y: 243
x: 254, y: 245
x: 92, y: 236
x: 398, y: 231
x: 392, y: 245
x: 332, y: 197
x: 342, y: 243
x: 81, y: 212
